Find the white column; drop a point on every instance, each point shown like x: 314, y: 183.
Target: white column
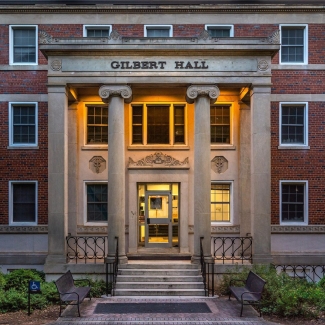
x: 261, y: 173
x: 202, y: 96
x: 57, y: 175
x: 115, y: 95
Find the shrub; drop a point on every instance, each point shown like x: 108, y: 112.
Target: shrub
x: 19, y: 279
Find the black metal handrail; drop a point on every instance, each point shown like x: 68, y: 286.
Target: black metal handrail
x: 86, y: 248
x: 233, y: 249
x: 207, y: 271
x: 112, y: 271
x: 312, y: 273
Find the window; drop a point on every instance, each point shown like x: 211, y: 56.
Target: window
x: 23, y: 44
x: 96, y: 30
x: 96, y: 202
x: 23, y: 124
x: 221, y: 202
x: 220, y: 30
x: 293, y: 124
x: 158, y: 30
x: 220, y: 124
x: 97, y: 124
x: 154, y: 124
x: 294, y: 42
x: 23, y: 202
x: 294, y: 206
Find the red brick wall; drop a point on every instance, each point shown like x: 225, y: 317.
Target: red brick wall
x: 187, y: 30
x: 135, y: 30
x: 300, y: 164
x: 23, y: 164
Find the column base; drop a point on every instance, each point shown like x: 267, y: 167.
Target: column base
x: 262, y: 259
x: 196, y: 259
x: 111, y: 259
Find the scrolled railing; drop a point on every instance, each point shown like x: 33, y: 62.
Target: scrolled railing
x: 234, y: 249
x: 87, y: 249
x: 311, y: 273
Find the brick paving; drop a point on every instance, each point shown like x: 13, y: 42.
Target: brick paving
x: 222, y: 312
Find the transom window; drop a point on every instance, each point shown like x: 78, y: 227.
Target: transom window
x: 293, y: 124
x: 97, y: 124
x: 294, y: 44
x: 158, y: 30
x: 220, y: 30
x: 96, y: 30
x: 23, y: 124
x: 220, y: 124
x: 23, y: 44
x: 220, y: 202
x: 96, y: 202
x: 293, y: 202
x: 158, y: 124
x: 23, y: 202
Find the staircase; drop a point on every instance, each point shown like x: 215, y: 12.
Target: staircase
x: 159, y: 278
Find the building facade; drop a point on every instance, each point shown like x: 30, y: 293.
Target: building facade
x: 160, y: 125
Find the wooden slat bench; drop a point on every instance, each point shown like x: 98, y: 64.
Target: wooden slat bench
x: 250, y: 293
x: 69, y: 293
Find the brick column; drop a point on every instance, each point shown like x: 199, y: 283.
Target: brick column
x: 115, y: 96
x: 202, y: 96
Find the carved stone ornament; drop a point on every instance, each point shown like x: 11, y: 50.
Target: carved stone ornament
x: 219, y: 164
x: 114, y: 35
x: 262, y: 65
x: 4, y: 229
x: 107, y: 91
x: 91, y: 230
x: 159, y: 160
x: 97, y: 164
x: 45, y: 38
x: 298, y: 229
x: 274, y: 38
x: 195, y: 91
x: 56, y: 65
x: 204, y: 35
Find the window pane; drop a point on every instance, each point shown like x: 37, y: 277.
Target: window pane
x: 24, y: 202
x: 158, y: 125
x: 97, y: 124
x: 293, y: 202
x: 292, y: 44
x: 220, y: 202
x: 24, y: 124
x: 97, y: 32
x: 137, y: 124
x: 219, y: 32
x: 293, y: 128
x: 158, y: 32
x: 220, y: 124
x: 24, y: 45
x: 96, y: 202
x: 179, y: 124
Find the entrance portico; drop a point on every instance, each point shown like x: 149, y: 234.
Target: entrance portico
x: 176, y: 72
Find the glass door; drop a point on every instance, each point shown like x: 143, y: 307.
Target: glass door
x: 158, y: 219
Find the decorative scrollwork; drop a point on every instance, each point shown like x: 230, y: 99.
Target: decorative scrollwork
x: 262, y: 65
x: 56, y: 65
x: 219, y: 164
x: 204, y: 35
x: 114, y: 35
x: 45, y: 38
x: 97, y: 164
x: 274, y: 38
x: 210, y: 91
x: 107, y: 91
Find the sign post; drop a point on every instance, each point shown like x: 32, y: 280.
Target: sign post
x: 33, y: 287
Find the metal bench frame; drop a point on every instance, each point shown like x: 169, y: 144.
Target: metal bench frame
x: 69, y: 293
x: 250, y: 293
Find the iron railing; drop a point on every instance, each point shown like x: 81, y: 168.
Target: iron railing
x: 234, y: 249
x: 311, y: 273
x: 207, y: 271
x: 112, y: 271
x: 87, y: 249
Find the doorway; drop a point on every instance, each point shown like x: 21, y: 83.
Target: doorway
x: 158, y: 215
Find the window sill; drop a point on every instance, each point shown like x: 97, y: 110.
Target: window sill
x: 22, y: 224
x: 94, y: 147
x: 287, y: 224
x: 23, y: 147
x: 158, y: 147
x: 293, y: 147
x: 223, y: 147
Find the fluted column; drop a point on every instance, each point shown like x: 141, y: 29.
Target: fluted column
x: 115, y: 95
x: 202, y: 96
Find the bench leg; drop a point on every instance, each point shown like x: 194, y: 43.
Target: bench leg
x: 229, y: 295
x: 78, y: 309
x: 242, y: 307
x: 60, y: 309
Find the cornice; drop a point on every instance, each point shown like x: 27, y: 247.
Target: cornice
x: 138, y: 9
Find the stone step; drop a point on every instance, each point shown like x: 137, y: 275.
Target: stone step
x: 152, y: 278
x: 159, y: 285
x: 158, y: 266
x: 160, y: 272
x: 159, y: 292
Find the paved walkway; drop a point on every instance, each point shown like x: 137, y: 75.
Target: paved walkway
x: 222, y: 312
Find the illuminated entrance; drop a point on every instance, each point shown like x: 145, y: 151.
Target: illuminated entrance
x: 158, y: 215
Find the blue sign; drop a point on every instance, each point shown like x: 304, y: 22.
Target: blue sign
x: 34, y: 286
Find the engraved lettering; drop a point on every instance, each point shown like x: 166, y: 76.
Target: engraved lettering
x: 144, y: 65
x: 204, y: 66
x: 179, y: 64
x: 162, y: 63
x: 136, y: 65
x: 196, y: 66
x: 153, y: 65
x: 115, y: 65
x: 125, y: 65
x: 188, y: 65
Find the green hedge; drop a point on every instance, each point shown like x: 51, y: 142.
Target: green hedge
x: 14, y: 290
x: 283, y: 295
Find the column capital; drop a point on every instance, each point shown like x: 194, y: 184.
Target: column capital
x: 194, y: 91
x: 107, y: 91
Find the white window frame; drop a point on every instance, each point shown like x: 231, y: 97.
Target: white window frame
x: 11, y: 44
x: 294, y: 145
x: 230, y: 27
x: 171, y: 124
x: 86, y: 27
x: 11, y: 222
x: 305, y: 28
x: 169, y: 27
x: 300, y: 182
x: 230, y: 222
x: 11, y: 128
x: 231, y: 126
x: 92, y: 223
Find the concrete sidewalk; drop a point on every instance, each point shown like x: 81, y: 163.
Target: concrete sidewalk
x: 223, y: 311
